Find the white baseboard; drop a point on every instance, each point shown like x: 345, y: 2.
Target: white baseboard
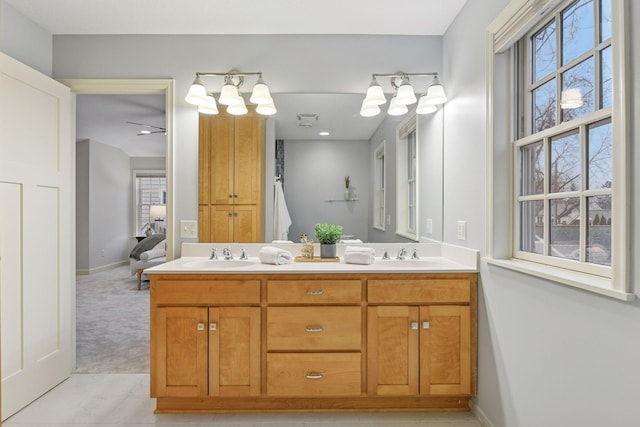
x: 480, y: 415
x: 86, y: 272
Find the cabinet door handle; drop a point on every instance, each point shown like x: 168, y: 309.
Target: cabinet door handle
x: 414, y: 325
x: 235, y: 195
x: 213, y: 327
x: 230, y: 196
x: 318, y: 292
x: 201, y: 326
x: 425, y: 325
x: 235, y: 214
x: 230, y: 214
x: 314, y: 375
x: 314, y: 329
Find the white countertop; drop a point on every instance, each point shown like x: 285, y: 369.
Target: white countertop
x: 438, y: 259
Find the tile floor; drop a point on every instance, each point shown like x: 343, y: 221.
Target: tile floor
x: 123, y: 400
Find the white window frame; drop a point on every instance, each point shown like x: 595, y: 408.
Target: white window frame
x: 516, y: 20
x: 407, y: 126
x: 140, y: 173
x: 379, y: 178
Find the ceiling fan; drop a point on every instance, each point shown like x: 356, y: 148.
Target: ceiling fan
x: 147, y: 131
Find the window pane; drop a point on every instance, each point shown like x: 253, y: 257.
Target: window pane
x: 578, y: 90
x: 532, y: 226
x: 544, y: 52
x: 564, y: 239
x: 544, y: 106
x: 412, y: 219
x: 577, y: 30
x: 605, y: 20
x: 532, y: 169
x: 606, y: 75
x: 600, y: 151
x: 565, y: 163
x: 599, y: 230
x: 412, y: 193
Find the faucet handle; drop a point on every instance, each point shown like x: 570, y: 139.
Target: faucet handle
x: 227, y: 253
x: 214, y: 254
x: 414, y: 255
x: 385, y: 254
x: 243, y: 254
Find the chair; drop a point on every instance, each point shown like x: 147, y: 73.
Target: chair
x: 149, y: 258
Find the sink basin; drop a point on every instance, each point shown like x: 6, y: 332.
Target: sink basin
x: 404, y: 263
x: 219, y: 263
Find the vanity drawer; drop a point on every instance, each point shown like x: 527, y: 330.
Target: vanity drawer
x: 424, y: 291
x: 314, y: 328
x: 207, y: 292
x: 314, y: 291
x: 313, y: 374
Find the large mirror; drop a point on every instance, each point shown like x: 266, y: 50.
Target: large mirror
x: 313, y: 165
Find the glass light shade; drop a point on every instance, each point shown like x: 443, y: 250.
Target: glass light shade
x: 405, y: 94
x: 239, y: 108
x: 424, y: 107
x: 210, y: 107
x: 261, y: 94
x: 197, y: 94
x: 571, y: 98
x: 157, y: 211
x: 396, y: 109
x: 266, y: 109
x: 435, y: 93
x: 369, y: 109
x: 229, y: 94
x: 375, y: 94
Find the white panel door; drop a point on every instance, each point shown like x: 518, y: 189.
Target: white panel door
x: 36, y: 233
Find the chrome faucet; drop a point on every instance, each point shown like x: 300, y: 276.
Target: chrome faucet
x: 402, y: 253
x: 227, y: 253
x: 243, y: 254
x: 385, y: 254
x: 214, y: 254
x: 414, y: 255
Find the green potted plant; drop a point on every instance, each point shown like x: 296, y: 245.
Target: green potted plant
x: 327, y: 235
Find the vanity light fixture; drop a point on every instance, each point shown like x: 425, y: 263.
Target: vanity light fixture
x: 404, y: 95
x: 229, y: 95
x: 571, y: 98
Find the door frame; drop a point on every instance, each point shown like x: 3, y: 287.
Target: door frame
x: 164, y: 87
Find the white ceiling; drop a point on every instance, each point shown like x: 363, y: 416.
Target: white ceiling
x: 103, y: 117
x: 401, y: 17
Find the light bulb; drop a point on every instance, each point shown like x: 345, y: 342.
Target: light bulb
x: 197, y: 94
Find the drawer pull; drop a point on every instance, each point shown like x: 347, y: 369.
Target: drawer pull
x: 414, y: 325
x: 318, y: 292
x: 314, y: 329
x: 201, y: 326
x: 213, y: 327
x: 314, y: 375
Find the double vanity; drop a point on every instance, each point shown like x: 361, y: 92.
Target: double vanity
x: 238, y: 335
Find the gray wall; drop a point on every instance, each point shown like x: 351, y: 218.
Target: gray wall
x: 104, y: 206
x: 548, y: 354
x: 25, y: 41
x: 314, y: 172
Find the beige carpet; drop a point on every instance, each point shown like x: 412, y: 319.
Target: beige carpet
x: 112, y: 323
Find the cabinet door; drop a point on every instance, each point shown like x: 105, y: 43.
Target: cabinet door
x: 246, y: 224
x: 222, y: 159
x: 445, y: 350
x: 234, y: 351
x: 247, y: 164
x: 181, y: 336
x: 392, y: 364
x: 221, y: 228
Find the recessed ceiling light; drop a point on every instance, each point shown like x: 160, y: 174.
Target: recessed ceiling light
x: 145, y: 132
x: 324, y: 133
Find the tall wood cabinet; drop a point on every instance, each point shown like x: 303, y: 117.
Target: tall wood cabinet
x: 230, y: 177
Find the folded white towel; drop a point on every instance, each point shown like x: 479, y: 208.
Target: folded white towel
x: 273, y: 255
x: 359, y: 255
x: 281, y: 241
x: 350, y: 241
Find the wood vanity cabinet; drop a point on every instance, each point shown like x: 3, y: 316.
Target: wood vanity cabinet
x: 230, y: 153
x: 305, y: 342
x: 210, y: 346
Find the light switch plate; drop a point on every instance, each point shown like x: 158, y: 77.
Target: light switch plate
x: 462, y: 230
x: 429, y: 226
x: 188, y: 229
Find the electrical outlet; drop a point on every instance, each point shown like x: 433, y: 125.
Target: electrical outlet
x: 462, y: 230
x: 429, y: 226
x: 188, y: 229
